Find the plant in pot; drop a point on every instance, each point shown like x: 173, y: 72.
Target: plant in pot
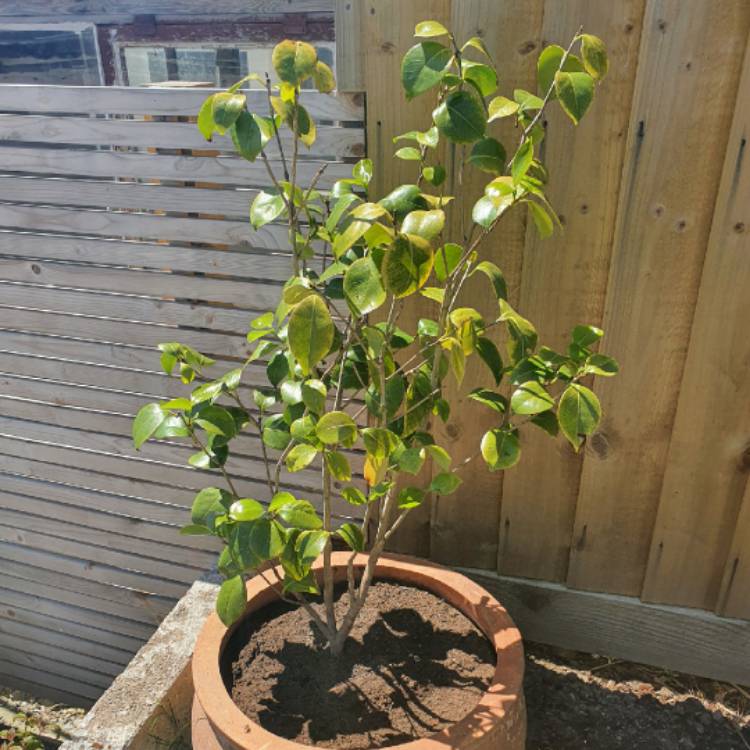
x: 353, y: 394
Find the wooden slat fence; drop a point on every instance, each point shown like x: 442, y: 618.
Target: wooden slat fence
x: 119, y: 228
x: 654, y: 192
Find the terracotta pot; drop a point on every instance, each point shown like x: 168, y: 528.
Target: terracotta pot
x: 497, y: 723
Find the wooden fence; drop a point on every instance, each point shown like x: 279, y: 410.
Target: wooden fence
x: 654, y: 192
x: 112, y: 241
x: 106, y: 250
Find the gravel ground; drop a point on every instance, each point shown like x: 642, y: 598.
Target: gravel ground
x: 580, y: 701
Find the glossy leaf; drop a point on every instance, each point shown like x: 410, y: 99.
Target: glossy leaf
x: 300, y: 456
x: 265, y: 208
x: 490, y: 355
x: 246, y: 509
x: 311, y: 332
x: 410, y: 497
x: 425, y: 224
x: 501, y: 107
x: 542, y: 220
x: 575, y: 92
x: 549, y: 63
x: 423, y: 66
x: 482, y: 76
x: 446, y: 260
x: 336, y: 427
x: 594, y: 55
x: 247, y: 136
x: 500, y: 449
x: 407, y: 265
x: 338, y: 465
x: 531, y: 398
x: 445, y: 483
x: 488, y: 155
x: 294, y: 61
x: 363, y: 287
x: 300, y: 514
x: 225, y: 110
x: 352, y: 534
x: 231, y: 600
x: 461, y: 117
x: 578, y: 413
x: 430, y: 28
x: 146, y: 422
x: 323, y: 78
x: 522, y: 161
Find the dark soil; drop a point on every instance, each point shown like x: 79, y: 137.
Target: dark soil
x: 412, y: 666
x: 580, y: 701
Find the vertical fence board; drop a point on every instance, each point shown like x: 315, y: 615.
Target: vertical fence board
x: 685, y: 91
x: 464, y: 525
x: 349, y: 48
x: 709, y: 454
x: 386, y: 33
x: 565, y: 278
x: 734, y: 596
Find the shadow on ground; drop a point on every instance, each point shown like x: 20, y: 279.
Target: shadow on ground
x: 575, y: 704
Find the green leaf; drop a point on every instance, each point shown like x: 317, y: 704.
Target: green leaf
x: 434, y: 175
x: 439, y: 455
x: 481, y: 75
x: 427, y: 138
x: 425, y: 224
x: 363, y: 287
x: 338, y: 465
x: 300, y: 514
x: 594, y: 55
x: 410, y: 460
x: 146, y: 422
x: 402, y: 200
x: 380, y: 442
x: 408, y: 153
x: 206, y: 123
x: 549, y: 63
x: 311, y: 332
x: 477, y: 43
x: 193, y: 529
x: 407, y: 265
x: 216, y: 420
x: 309, y: 546
x: 349, y: 236
x: 542, y: 220
x: 410, y: 497
x: 314, y: 395
x: 225, y: 110
x: 495, y: 275
x: 547, y: 421
x: 300, y: 456
x: 490, y: 355
x: 522, y: 331
x: 353, y: 536
x: 578, y: 413
x: 445, y: 483
x: 575, y: 92
x: 522, y: 160
x: 362, y: 171
x: 245, y: 509
x: 423, y: 66
x: 430, y: 28
x: 208, y: 505
x: 323, y: 78
x: 436, y: 294
x: 294, y: 61
x: 500, y: 449
x: 531, y: 398
x: 526, y: 101
x: 277, y: 368
x: 586, y: 335
x: 231, y: 601
x: 488, y: 155
x: 336, y: 427
x: 265, y: 208
x: 601, y: 364
x: 247, y: 136
x: 461, y: 117
x: 500, y: 107
x: 354, y: 496
x: 488, y: 209
x: 446, y: 260
x: 493, y: 400
x: 276, y: 432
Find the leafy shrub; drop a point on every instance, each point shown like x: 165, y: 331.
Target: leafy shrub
x: 335, y: 353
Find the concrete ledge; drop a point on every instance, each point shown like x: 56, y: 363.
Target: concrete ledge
x: 148, y: 705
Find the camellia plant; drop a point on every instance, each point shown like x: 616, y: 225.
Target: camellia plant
x: 345, y: 382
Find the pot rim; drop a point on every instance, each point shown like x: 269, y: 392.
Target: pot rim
x: 497, y: 704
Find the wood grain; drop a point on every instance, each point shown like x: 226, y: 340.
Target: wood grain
x: 663, y: 222
x: 512, y: 32
x: 709, y: 452
x: 564, y: 278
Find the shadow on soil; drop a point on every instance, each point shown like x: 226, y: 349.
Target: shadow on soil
x: 397, y: 666
x: 567, y: 712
